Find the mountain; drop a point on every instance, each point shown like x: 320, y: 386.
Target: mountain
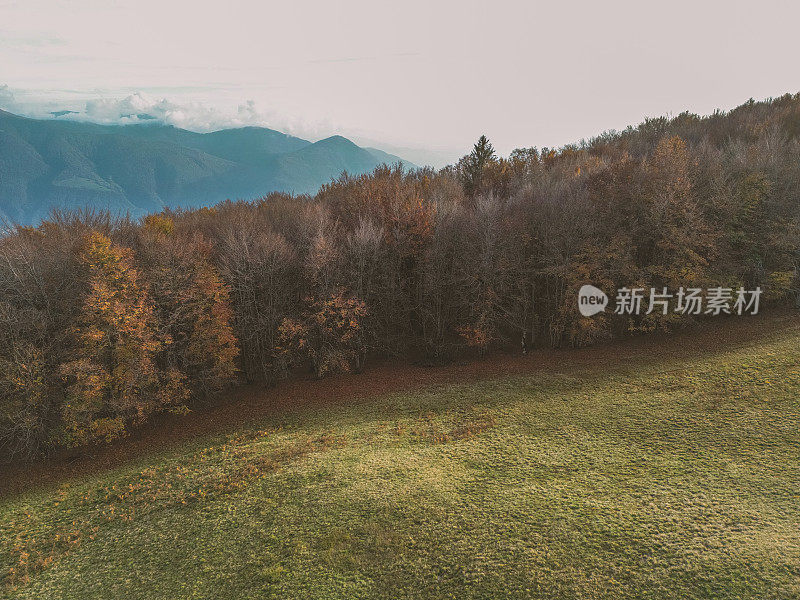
x: 138, y: 169
x: 313, y: 163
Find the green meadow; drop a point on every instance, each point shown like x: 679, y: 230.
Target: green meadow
x: 644, y: 477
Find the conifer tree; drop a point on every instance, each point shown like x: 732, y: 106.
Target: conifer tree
x: 473, y: 165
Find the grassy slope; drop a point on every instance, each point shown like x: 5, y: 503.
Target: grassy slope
x: 656, y: 478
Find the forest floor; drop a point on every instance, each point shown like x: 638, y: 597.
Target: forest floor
x: 661, y: 466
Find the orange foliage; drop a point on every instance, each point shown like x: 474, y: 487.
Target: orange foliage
x: 113, y: 379
x: 330, y: 334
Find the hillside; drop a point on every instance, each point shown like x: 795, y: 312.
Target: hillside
x: 143, y: 168
x: 421, y: 266
x: 664, y: 467
x: 310, y: 164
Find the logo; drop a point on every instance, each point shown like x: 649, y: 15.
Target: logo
x: 686, y: 301
x: 591, y: 300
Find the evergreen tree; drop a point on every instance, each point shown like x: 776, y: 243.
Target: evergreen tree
x: 473, y: 165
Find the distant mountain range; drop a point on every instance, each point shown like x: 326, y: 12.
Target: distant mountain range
x: 139, y: 169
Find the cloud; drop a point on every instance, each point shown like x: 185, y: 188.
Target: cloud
x: 142, y: 107
x: 196, y: 116
x: 153, y: 107
x: 32, y: 103
x: 7, y: 99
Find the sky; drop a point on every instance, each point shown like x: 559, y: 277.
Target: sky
x: 423, y: 79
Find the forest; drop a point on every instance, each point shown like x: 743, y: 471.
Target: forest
x: 105, y: 321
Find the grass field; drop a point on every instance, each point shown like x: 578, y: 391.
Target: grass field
x: 644, y: 477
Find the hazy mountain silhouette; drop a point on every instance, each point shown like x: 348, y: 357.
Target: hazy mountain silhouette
x: 142, y: 168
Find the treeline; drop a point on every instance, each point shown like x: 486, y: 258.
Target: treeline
x: 107, y: 321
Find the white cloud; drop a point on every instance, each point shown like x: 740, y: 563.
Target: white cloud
x: 196, y: 116
x: 142, y: 107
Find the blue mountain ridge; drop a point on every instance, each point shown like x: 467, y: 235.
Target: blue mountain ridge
x: 143, y: 168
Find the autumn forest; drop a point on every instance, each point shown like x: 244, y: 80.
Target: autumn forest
x: 106, y: 321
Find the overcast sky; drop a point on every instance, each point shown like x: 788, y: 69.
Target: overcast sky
x: 408, y: 74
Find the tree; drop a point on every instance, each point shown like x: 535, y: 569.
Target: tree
x: 486, y: 272
x: 473, y: 165
x: 113, y: 381
x: 329, y: 334
x: 647, y: 213
x: 24, y: 406
x: 260, y: 268
x: 680, y: 242
x: 40, y: 289
x: 104, y: 321
x: 192, y: 306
